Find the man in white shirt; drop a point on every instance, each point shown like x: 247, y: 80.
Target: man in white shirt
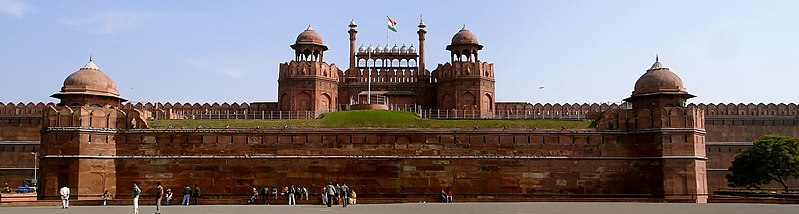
x: 64, y: 192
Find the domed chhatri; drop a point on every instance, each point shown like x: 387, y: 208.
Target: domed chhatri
x: 309, y: 37
x: 309, y: 46
x: 464, y: 46
x: 464, y: 37
x: 89, y: 86
x: 659, y: 86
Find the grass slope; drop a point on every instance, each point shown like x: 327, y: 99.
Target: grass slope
x: 373, y: 119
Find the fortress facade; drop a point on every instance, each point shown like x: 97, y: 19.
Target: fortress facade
x: 397, y: 74
x: 656, y: 148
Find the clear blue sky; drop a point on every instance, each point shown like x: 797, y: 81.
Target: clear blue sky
x: 229, y: 51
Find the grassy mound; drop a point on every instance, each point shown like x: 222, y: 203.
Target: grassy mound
x: 373, y: 119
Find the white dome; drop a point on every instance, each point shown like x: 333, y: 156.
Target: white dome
x: 395, y: 49
x: 370, y: 48
x: 361, y: 49
x: 404, y: 49
x: 412, y: 49
x: 378, y: 49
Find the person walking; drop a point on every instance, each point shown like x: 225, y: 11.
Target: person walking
x: 254, y: 196
x: 345, y: 191
x: 292, y: 191
x: 106, y: 196
x: 330, y: 190
x: 135, y: 195
x: 64, y: 192
x: 168, y: 196
x: 197, y: 194
x: 159, y: 195
x: 186, y: 195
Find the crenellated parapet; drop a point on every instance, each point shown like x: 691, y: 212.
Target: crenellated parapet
x: 751, y: 109
x: 23, y: 109
x: 452, y: 70
x: 315, y: 69
x: 651, y: 118
x: 593, y: 110
x: 91, y: 117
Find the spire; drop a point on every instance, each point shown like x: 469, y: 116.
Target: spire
x: 421, y: 22
x: 90, y: 64
x: 309, y: 27
x: 657, y: 65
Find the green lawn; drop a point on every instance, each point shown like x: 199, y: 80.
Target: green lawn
x: 373, y: 119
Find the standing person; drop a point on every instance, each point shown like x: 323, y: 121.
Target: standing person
x: 159, y: 194
x: 265, y: 194
x: 135, y: 195
x: 324, y: 196
x: 330, y: 190
x: 197, y: 194
x: 64, y: 192
x: 292, y: 191
x: 345, y: 191
x: 442, y: 196
x: 186, y: 195
x: 337, y: 200
x: 274, y: 192
x: 449, y: 196
x: 105, y: 197
x: 168, y: 196
x: 304, y: 192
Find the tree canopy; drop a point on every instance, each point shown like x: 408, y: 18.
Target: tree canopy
x: 771, y: 158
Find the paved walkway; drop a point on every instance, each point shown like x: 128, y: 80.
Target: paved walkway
x: 455, y: 208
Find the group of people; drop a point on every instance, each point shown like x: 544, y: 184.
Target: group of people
x: 338, y: 194
x: 331, y: 195
x: 160, y: 194
x: 290, y: 193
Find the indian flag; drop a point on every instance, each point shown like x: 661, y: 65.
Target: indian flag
x: 392, y: 25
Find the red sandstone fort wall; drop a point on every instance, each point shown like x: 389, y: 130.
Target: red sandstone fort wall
x: 398, y: 164
x: 19, y: 124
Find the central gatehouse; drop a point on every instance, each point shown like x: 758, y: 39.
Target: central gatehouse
x: 652, y: 150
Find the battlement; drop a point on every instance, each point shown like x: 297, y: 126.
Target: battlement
x: 751, y: 109
x: 309, y: 69
x: 92, y: 117
x: 642, y: 119
x: 23, y: 108
x: 464, y: 69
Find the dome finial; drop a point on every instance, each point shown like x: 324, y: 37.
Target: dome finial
x: 657, y: 64
x: 309, y: 27
x: 90, y: 64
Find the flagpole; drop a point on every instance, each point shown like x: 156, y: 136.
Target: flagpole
x: 369, y: 82
x: 387, y: 40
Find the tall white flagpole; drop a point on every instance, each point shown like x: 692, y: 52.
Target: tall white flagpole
x: 369, y: 82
